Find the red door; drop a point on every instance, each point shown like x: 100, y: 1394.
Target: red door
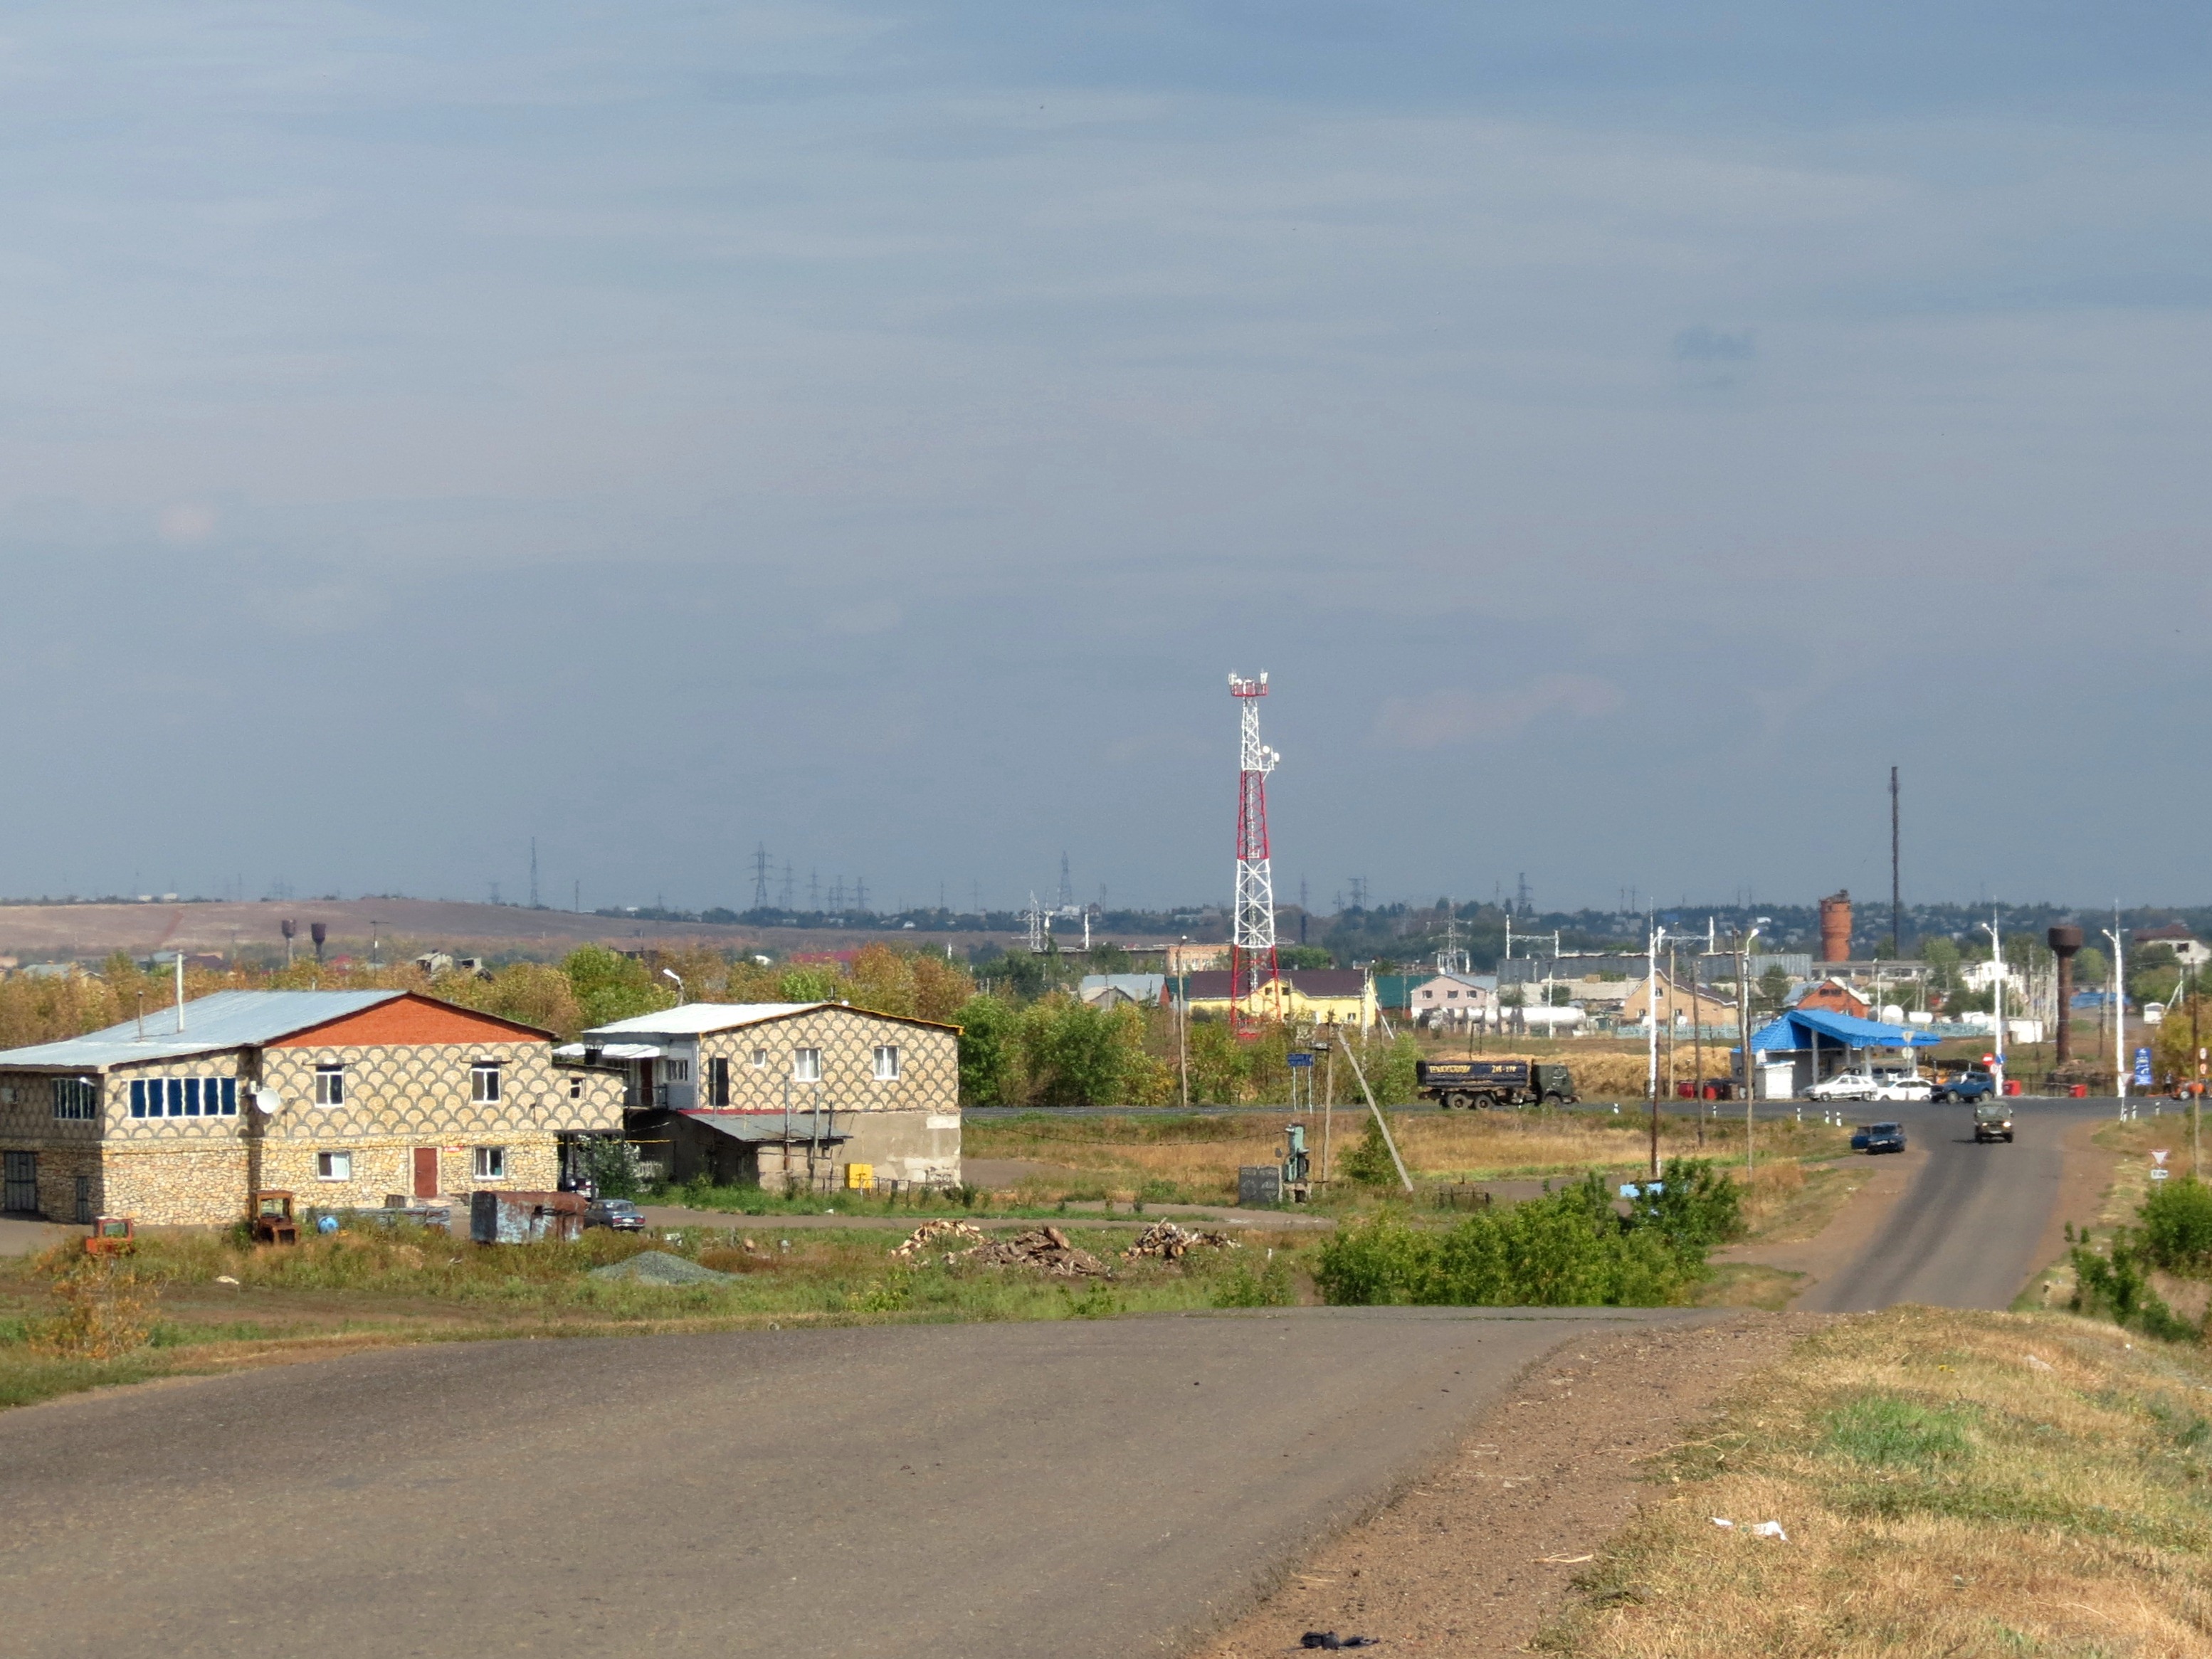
x: 426, y: 1172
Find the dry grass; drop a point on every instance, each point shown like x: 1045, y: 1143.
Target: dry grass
x: 1953, y: 1485
x: 1198, y: 1157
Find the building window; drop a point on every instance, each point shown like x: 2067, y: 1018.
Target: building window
x: 806, y: 1065
x: 184, y: 1097
x: 329, y: 1085
x: 334, y: 1166
x: 483, y: 1083
x: 679, y: 1070
x: 76, y: 1097
x: 491, y: 1164
x: 576, y: 1088
x: 718, y: 1082
x: 887, y: 1063
x: 760, y: 1060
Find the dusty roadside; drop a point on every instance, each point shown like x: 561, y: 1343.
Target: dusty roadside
x: 1473, y: 1558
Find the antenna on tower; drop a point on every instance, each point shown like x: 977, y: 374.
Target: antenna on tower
x: 1252, y: 944
x: 1033, y: 918
x: 760, y: 875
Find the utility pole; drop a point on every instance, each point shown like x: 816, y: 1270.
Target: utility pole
x: 1896, y: 889
x: 2119, y: 1011
x: 760, y: 875
x: 1997, y: 996
x: 1651, y: 1037
x: 1743, y: 1040
x: 534, y: 873
x: 1381, y: 1122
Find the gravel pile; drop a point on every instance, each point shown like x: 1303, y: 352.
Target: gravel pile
x: 659, y: 1268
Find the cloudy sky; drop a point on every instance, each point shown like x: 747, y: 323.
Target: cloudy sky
x: 877, y: 430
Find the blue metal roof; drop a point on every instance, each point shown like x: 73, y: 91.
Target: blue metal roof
x: 1800, y: 1027
x: 228, y: 1019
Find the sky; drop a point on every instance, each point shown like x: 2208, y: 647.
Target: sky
x: 877, y: 431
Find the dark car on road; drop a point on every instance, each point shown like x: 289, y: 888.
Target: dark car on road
x: 1973, y: 1083
x: 619, y: 1213
x: 1880, y: 1138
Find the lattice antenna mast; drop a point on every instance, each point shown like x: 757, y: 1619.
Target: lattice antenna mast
x: 1252, y: 944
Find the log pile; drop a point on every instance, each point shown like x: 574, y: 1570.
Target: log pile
x: 1046, y: 1249
x: 1169, y: 1242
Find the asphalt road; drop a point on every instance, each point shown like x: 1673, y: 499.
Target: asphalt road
x: 1073, y: 1488
x: 1967, y: 1232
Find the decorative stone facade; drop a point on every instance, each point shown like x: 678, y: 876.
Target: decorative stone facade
x: 476, y: 1101
x: 899, y: 1114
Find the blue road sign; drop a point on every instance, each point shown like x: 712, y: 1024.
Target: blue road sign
x: 1299, y: 1059
x: 2142, y: 1068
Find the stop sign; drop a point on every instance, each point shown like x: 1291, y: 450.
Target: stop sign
x: 1988, y: 1059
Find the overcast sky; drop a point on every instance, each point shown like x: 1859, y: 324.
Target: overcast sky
x: 1622, y: 432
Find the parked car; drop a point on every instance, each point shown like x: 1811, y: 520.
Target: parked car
x: 1880, y: 1138
x: 1969, y: 1083
x: 619, y: 1213
x: 1992, y: 1120
x: 1895, y: 1083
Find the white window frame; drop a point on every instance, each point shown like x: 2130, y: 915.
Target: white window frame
x: 679, y: 1070
x: 482, y: 1072
x: 490, y: 1164
x: 327, y: 1074
x: 334, y: 1166
x: 888, y: 1063
x: 760, y: 1060
x: 806, y: 1065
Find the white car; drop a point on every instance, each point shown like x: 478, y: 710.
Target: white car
x: 1882, y: 1083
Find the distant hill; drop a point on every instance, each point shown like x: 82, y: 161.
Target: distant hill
x: 398, y: 926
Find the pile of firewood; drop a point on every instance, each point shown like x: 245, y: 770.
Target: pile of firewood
x: 1046, y: 1249
x: 1169, y: 1242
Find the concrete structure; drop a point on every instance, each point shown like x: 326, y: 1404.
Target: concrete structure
x: 787, y: 1094
x: 2187, y: 948
x: 1836, y: 926
x: 1323, y: 996
x: 347, y: 1098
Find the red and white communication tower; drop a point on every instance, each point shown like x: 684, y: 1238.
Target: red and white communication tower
x: 1252, y: 944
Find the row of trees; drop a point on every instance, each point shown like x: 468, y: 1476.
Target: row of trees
x: 1044, y: 1050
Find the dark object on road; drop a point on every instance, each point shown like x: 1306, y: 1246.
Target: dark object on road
x: 525, y: 1218
x: 272, y: 1219
x: 1992, y: 1122
x: 1880, y: 1138
x: 619, y: 1213
x: 1971, y: 1083
x: 1493, y: 1083
x: 1331, y: 1640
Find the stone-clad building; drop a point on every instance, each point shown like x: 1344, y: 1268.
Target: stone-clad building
x: 789, y: 1093
x: 347, y: 1098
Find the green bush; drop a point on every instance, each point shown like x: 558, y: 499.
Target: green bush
x: 1566, y: 1249
x: 1369, y: 1161
x: 2117, y: 1286
x: 1268, y: 1285
x: 1697, y: 1206
x: 611, y: 1164
x: 2177, y: 1226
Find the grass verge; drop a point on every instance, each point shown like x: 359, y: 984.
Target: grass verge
x: 1951, y: 1484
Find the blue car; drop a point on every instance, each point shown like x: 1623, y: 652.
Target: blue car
x: 1880, y: 1138
x: 1972, y: 1083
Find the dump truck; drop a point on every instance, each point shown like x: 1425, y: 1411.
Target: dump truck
x: 1493, y: 1083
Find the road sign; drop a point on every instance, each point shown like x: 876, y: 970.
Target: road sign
x: 1988, y: 1059
x: 2160, y: 1154
x: 2160, y: 1175
x: 1298, y: 1060
x: 2142, y: 1068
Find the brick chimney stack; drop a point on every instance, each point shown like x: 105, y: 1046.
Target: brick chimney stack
x: 1836, y: 926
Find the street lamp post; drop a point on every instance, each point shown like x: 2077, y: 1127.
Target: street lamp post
x: 1997, y: 996
x: 1651, y: 1037
x: 1743, y: 1040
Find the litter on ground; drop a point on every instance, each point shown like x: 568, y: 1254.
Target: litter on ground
x: 1762, y: 1529
x: 1169, y: 1242
x: 659, y: 1268
x: 1332, y: 1641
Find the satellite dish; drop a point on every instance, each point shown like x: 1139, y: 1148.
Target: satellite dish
x: 267, y: 1101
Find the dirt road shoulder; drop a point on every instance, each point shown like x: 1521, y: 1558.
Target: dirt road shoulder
x: 1473, y: 1558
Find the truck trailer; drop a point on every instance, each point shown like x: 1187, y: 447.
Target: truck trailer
x: 1493, y: 1083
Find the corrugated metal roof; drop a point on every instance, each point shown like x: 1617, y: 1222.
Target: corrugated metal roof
x: 228, y: 1019
x: 693, y: 1017
x: 1787, y: 1034
x: 610, y: 1051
